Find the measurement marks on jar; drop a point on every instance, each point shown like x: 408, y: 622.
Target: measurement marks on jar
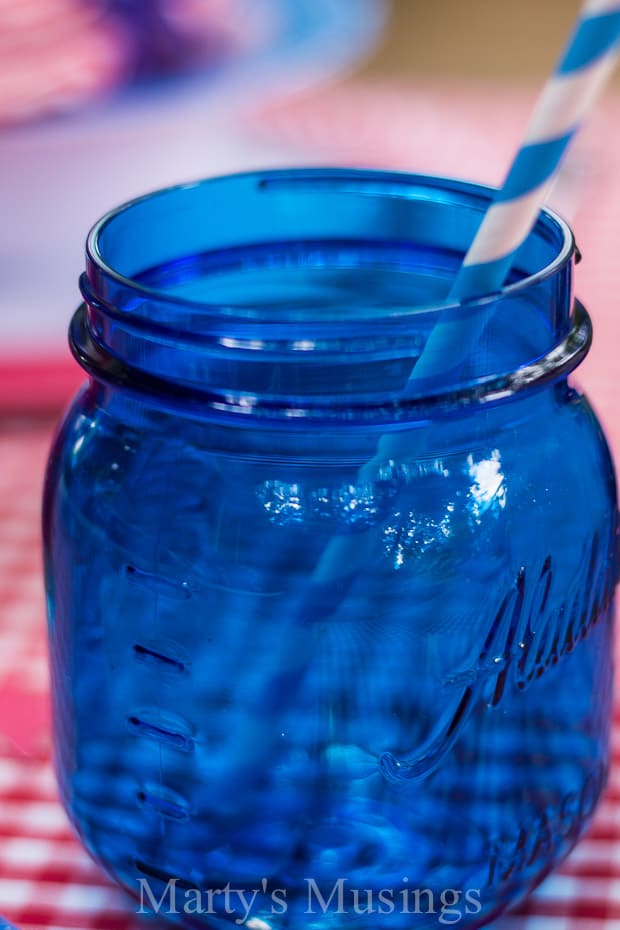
x: 163, y: 727
x: 154, y: 723
x: 161, y: 658
x: 158, y: 584
x: 159, y: 875
x: 162, y: 655
x: 164, y: 801
x: 163, y: 662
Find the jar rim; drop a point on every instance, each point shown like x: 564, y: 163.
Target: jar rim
x: 392, y: 183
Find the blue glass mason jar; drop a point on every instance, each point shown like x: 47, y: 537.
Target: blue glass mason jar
x: 330, y: 644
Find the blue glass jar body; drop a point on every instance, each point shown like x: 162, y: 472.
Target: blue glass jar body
x: 320, y: 633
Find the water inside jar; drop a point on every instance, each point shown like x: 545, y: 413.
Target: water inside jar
x: 310, y: 279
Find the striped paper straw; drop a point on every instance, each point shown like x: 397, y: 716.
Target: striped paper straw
x: 566, y: 99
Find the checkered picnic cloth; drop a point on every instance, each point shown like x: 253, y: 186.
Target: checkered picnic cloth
x: 46, y: 879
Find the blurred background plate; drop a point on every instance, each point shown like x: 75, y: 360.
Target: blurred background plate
x: 172, y: 108
x: 233, y: 52
x: 159, y: 54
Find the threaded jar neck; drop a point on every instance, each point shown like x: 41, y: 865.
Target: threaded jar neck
x: 309, y: 292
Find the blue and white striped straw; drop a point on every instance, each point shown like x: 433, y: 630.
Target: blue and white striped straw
x: 565, y: 101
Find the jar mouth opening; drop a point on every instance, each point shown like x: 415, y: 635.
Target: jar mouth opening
x: 104, y: 274
x: 330, y: 285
